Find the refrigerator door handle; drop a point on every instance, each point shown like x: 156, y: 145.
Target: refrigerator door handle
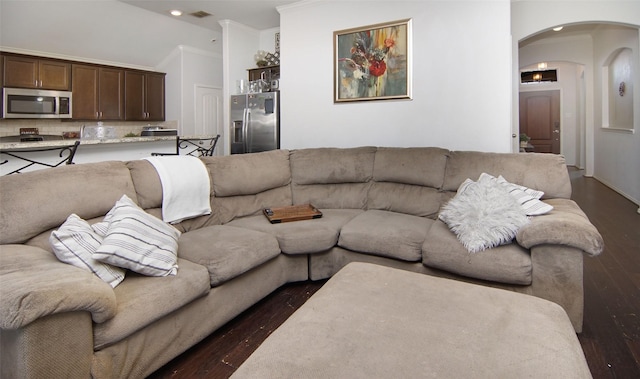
x: 245, y: 130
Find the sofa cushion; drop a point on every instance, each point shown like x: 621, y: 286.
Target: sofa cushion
x: 406, y: 198
x: 421, y: 166
x: 387, y: 234
x: 138, y: 241
x: 228, y: 208
x: 149, y: 192
x: 244, y: 184
x: 332, y: 196
x: 147, y: 183
x: 332, y: 178
x: 505, y: 264
x: 303, y: 237
x: 248, y: 174
x: 332, y: 165
x: 75, y: 242
x: 545, y: 172
x: 227, y: 251
x: 35, y: 202
x: 142, y: 300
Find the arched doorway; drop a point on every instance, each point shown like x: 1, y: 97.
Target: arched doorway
x: 532, y: 22
x: 607, y: 151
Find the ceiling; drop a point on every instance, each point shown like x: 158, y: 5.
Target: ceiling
x: 570, y: 31
x: 257, y: 14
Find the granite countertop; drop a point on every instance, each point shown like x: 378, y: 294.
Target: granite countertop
x: 67, y: 142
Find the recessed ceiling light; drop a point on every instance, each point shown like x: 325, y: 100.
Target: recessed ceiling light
x: 557, y: 29
x: 176, y: 12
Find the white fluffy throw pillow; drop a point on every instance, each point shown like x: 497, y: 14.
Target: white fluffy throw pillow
x: 483, y: 215
x: 75, y: 242
x: 139, y: 241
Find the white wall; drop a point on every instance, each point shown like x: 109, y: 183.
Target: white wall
x: 461, y: 77
x: 240, y: 43
x: 197, y: 68
x: 617, y: 152
x: 615, y: 164
x: 173, y: 85
x: 268, y: 39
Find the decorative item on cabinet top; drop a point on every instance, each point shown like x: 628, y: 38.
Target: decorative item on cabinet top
x: 268, y: 77
x: 264, y: 59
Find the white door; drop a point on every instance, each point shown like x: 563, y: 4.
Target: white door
x: 208, y: 101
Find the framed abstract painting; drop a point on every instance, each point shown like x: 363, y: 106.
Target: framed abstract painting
x: 373, y: 62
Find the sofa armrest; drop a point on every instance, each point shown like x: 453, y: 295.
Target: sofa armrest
x: 566, y: 225
x: 33, y: 284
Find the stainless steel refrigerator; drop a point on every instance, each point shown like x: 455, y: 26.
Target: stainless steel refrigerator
x: 255, y: 122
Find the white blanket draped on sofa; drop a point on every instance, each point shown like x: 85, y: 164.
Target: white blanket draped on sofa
x: 185, y: 187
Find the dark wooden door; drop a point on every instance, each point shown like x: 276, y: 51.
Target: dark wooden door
x: 540, y: 120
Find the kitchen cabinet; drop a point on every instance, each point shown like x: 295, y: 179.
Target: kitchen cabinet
x: 29, y: 72
x: 270, y: 73
x: 98, y: 92
x: 144, y: 96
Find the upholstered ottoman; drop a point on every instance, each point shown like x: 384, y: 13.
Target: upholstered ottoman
x: 372, y: 321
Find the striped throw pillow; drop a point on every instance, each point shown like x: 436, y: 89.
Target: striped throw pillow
x: 75, y: 242
x: 527, y: 197
x: 139, y: 241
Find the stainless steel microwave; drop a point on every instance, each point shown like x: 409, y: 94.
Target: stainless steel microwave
x: 35, y: 103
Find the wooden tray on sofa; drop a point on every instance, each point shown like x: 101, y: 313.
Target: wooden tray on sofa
x: 291, y: 213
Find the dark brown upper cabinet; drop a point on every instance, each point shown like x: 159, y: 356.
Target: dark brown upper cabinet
x: 27, y: 72
x: 144, y: 96
x: 98, y: 92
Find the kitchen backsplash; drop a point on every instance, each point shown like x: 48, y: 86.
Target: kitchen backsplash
x: 11, y: 127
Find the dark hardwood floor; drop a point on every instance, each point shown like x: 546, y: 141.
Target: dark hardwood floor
x: 611, y: 335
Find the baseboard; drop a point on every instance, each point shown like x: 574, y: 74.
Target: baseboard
x: 625, y: 195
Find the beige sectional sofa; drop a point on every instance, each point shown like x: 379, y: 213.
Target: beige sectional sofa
x: 379, y: 205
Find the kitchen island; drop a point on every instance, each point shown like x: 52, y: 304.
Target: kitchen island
x: 15, y: 155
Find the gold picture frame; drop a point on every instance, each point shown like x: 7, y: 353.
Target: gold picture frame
x: 372, y: 62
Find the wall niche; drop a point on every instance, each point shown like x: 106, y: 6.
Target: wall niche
x: 618, y: 78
